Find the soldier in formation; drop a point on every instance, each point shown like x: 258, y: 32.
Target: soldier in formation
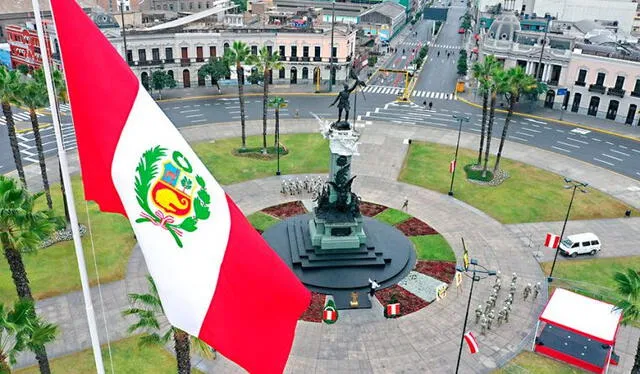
x: 526, y: 291
x: 478, y: 313
x: 536, y: 290
x: 297, y: 186
x: 483, y: 325
x: 490, y: 318
x: 500, y: 316
x: 487, y: 306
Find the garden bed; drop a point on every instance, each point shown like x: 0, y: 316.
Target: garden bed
x: 257, y: 153
x: 286, y: 210
x: 441, y: 270
x: 314, y: 311
x: 371, y: 209
x: 415, y: 227
x: 409, y: 302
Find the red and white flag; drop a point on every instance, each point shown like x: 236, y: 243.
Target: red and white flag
x: 393, y: 309
x: 471, y: 342
x: 216, y: 276
x: 552, y: 241
x: 452, y: 166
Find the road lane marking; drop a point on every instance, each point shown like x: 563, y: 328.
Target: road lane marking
x: 547, y: 128
x: 596, y: 139
x: 580, y: 131
x: 532, y: 130
x: 560, y: 149
x: 534, y: 125
x: 189, y: 111
x: 609, y: 143
x: 622, y: 146
x: 194, y: 115
x: 620, y: 153
x: 568, y: 145
x: 604, y: 162
x: 524, y: 133
x: 515, y: 137
x: 234, y: 112
x: 198, y: 120
x: 562, y: 131
x: 635, y: 150
x: 534, y: 121
x: 577, y: 141
x: 612, y: 157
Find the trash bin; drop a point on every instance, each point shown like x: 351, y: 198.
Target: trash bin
x: 460, y: 86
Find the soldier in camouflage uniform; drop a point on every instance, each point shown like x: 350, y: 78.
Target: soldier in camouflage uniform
x: 483, y: 325
x: 490, y: 318
x: 536, y: 290
x: 526, y: 291
x: 478, y: 313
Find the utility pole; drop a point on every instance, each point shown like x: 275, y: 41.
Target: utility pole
x: 455, y: 159
x: 333, y: 23
x: 124, y: 34
x: 544, y: 42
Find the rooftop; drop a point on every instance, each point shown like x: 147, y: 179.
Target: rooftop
x: 389, y: 9
x: 24, y: 6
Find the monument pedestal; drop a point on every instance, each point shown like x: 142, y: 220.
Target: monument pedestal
x: 329, y: 234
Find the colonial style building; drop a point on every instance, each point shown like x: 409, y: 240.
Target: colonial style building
x: 24, y: 46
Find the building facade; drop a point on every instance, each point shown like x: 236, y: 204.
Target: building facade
x: 305, y: 53
x: 384, y: 20
x: 24, y: 46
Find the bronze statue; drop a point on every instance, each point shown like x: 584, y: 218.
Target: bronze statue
x: 343, y: 100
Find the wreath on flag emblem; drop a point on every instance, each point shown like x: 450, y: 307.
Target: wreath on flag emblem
x: 330, y: 313
x: 170, y: 199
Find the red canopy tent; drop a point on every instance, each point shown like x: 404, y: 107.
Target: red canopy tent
x: 578, y: 330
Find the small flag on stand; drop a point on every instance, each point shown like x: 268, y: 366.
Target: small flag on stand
x: 552, y: 241
x: 452, y: 166
x: 471, y: 342
x: 393, y: 309
x: 330, y: 313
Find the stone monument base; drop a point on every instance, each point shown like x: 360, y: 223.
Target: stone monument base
x: 387, y: 256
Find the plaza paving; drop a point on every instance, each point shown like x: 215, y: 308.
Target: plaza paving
x: 423, y: 342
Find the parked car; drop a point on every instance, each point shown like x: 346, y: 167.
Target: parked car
x: 579, y: 244
x: 461, y: 31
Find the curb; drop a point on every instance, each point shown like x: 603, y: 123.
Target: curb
x: 251, y: 94
x: 554, y: 120
x: 40, y: 126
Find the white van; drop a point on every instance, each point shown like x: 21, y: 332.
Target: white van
x: 579, y: 244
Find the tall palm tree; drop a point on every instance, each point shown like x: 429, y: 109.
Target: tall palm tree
x: 483, y: 72
x: 513, y: 84
x: 628, y: 287
x: 33, y: 95
x: 277, y: 103
x: 147, y: 308
x: 21, y: 328
x: 8, y: 89
x: 236, y: 56
x: 22, y: 229
x: 492, y: 114
x: 266, y: 62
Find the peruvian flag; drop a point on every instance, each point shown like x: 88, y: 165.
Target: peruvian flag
x: 471, y: 342
x: 217, y: 278
x: 552, y: 241
x: 393, y: 309
x: 329, y: 315
x: 452, y: 166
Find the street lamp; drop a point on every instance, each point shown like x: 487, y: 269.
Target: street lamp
x: 333, y: 22
x: 124, y: 34
x: 575, y: 185
x: 544, y: 42
x: 475, y: 277
x: 455, y: 159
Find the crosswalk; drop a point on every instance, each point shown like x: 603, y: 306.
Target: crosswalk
x: 26, y: 142
x: 444, y: 46
x: 430, y: 44
x: 387, y: 90
x: 18, y: 116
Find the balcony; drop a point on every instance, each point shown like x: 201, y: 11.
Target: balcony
x: 553, y: 82
x: 169, y: 60
x: 619, y: 92
x: 156, y: 62
x: 305, y: 58
x: 283, y: 58
x: 143, y: 62
x: 635, y: 93
x: 597, y: 88
x: 199, y: 59
x: 293, y: 58
x: 581, y: 83
x: 185, y: 62
x: 317, y: 59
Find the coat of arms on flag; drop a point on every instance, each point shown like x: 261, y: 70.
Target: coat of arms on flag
x: 393, y: 309
x: 170, y: 192
x: 330, y: 313
x: 471, y: 342
x: 551, y: 241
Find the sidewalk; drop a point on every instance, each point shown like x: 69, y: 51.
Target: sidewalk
x: 425, y: 341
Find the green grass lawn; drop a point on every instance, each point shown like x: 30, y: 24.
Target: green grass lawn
x: 433, y: 248
x: 54, y: 270
x: 529, y: 195
x: 308, y: 153
x: 532, y: 363
x: 128, y: 357
x: 262, y: 221
x: 392, y: 216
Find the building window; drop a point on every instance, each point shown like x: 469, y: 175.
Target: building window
x: 269, y: 50
x: 190, y: 5
x: 282, y: 51
x: 225, y: 47
x: 281, y: 73
x: 600, y: 79
x: 142, y: 55
x: 199, y: 54
x: 582, y: 76
x: 181, y: 6
x: 155, y: 54
x: 212, y: 51
x: 199, y: 5
x: 294, y: 51
x: 129, y: 55
x: 171, y: 8
x: 334, y: 52
x: 254, y: 50
x: 305, y: 73
x: 208, y: 5
x: 636, y: 89
x: 619, y: 82
x: 168, y: 53
x: 305, y: 51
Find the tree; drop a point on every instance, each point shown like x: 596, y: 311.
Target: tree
x: 236, y: 55
x: 483, y: 72
x: 266, y: 63
x: 277, y: 103
x: 33, y: 95
x: 160, y: 80
x: 22, y: 229
x: 21, y: 328
x: 147, y: 308
x: 628, y: 287
x: 492, y: 114
x: 242, y: 5
x: 216, y: 68
x: 23, y: 69
x: 462, y: 63
x: 513, y: 83
x: 9, y: 82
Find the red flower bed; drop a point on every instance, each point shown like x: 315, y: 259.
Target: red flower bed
x: 286, y: 210
x: 371, y: 209
x: 441, y: 270
x: 415, y: 227
x: 409, y: 302
x: 314, y: 311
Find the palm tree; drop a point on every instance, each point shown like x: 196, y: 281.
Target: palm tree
x: 236, y: 55
x: 8, y: 90
x: 147, y: 308
x: 21, y: 328
x: 33, y: 95
x: 267, y: 62
x: 513, y: 83
x: 277, y: 103
x: 22, y: 229
x: 492, y: 114
x: 483, y: 72
x: 628, y: 287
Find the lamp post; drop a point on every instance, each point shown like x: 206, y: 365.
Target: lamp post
x: 475, y: 277
x: 455, y: 159
x: 575, y: 185
x: 277, y: 140
x: 333, y: 23
x: 124, y: 34
x: 544, y: 42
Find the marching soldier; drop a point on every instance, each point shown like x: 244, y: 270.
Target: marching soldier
x: 498, y: 276
x: 497, y: 285
x: 487, y: 306
x: 509, y: 299
x: 478, y: 313
x: 536, y: 290
x: 490, y: 318
x: 506, y: 314
x: 500, y: 316
x: 493, y: 299
x: 483, y: 325
x: 514, y: 278
x: 512, y: 289
x: 526, y: 291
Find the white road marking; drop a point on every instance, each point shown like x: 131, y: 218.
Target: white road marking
x: 569, y: 145
x: 524, y: 133
x: 635, y: 150
x: 234, y: 112
x: 562, y: 131
x: 189, y: 111
x: 560, y: 149
x: 532, y: 130
x: 622, y: 146
x: 515, y: 137
x: 620, y: 153
x: 609, y: 143
x: 596, y: 139
x: 196, y: 105
x: 604, y: 162
x: 547, y: 128
x: 533, y: 120
x: 194, y: 115
x: 198, y: 120
x: 612, y: 157
x: 577, y: 141
x: 534, y: 125
x: 580, y: 131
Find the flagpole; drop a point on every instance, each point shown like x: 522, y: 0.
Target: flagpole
x: 64, y: 164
